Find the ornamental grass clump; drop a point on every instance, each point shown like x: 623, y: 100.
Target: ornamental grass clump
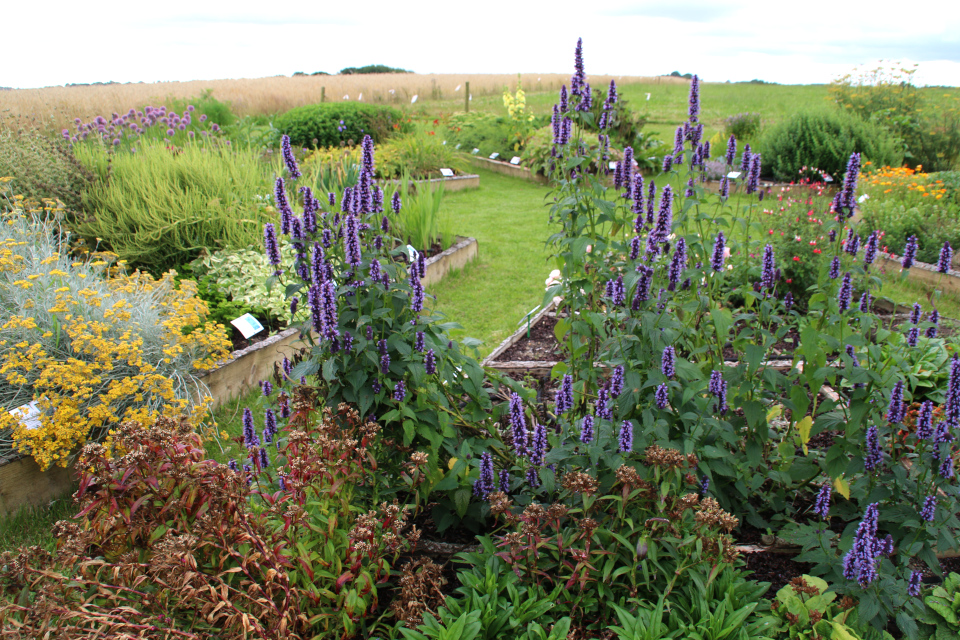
x: 90, y: 345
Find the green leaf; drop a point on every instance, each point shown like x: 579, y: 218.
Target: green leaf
x: 461, y: 500
x: 329, y: 370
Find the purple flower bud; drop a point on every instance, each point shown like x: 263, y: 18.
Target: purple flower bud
x: 563, y: 106
x: 753, y: 176
x: 399, y: 391
x: 745, y: 160
x: 909, y: 252
x: 667, y: 163
x: 946, y: 469
x: 913, y: 336
x: 704, y: 485
x: 518, y: 426
x: 767, y: 273
x: 870, y: 250
x: 693, y: 103
x: 233, y: 466
x: 642, y: 292
x: 264, y: 459
x: 724, y: 187
x: 602, y: 406
x: 538, y: 449
x: 925, y: 421
x: 266, y: 387
x: 616, y: 382
x: 430, y: 362
x: 533, y: 477
x: 865, y: 301
x: 625, y: 439
x: 418, y: 342
x: 852, y: 243
x: 250, y: 438
x: 788, y: 301
x: 677, y: 264
x: 615, y: 291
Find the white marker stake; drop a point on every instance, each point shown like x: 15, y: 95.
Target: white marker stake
x: 414, y: 98
x: 28, y: 415
x: 247, y: 325
x: 494, y: 155
x: 458, y: 146
x: 475, y: 151
x: 446, y: 173
x: 612, y: 165
x: 733, y: 175
x: 648, y: 97
x: 515, y: 160
x: 346, y: 97
x: 458, y: 88
x: 360, y: 97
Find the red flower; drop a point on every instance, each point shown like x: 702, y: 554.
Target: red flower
x: 436, y: 122
x: 816, y: 250
x: 429, y: 133
x: 796, y: 258
x: 789, y: 280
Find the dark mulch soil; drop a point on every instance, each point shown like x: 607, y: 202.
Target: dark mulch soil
x: 540, y: 346
x: 776, y: 568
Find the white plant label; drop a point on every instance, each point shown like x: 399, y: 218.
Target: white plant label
x: 648, y: 97
x: 475, y: 151
x: 494, y: 155
x: 613, y: 164
x: 247, y: 325
x: 28, y: 415
x: 827, y: 178
x: 458, y: 88
x: 444, y: 143
x: 458, y: 146
x: 414, y: 98
x: 346, y: 97
x: 733, y: 175
x: 446, y: 173
x: 360, y: 97
x: 515, y: 160
x: 412, y: 253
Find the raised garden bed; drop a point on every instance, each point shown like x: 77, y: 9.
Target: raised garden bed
x: 452, y: 183
x: 507, y: 169
x: 922, y: 272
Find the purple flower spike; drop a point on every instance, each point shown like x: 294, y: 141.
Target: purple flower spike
x: 913, y: 336
x: 587, y: 430
x: 873, y: 457
x: 731, y: 154
x: 668, y: 362
x: 399, y: 392
x: 430, y: 362
x: 946, y: 253
x: 753, y: 176
x: 483, y: 487
x: 518, y: 424
x: 351, y: 240
x: 625, y: 440
x: 602, y: 407
x: 745, y: 161
x: 929, y: 510
x: 288, y: 158
x: 767, y: 274
x: 270, y: 241
x: 250, y: 438
x: 845, y: 293
x: 418, y: 342
x: 718, y: 389
x: 925, y: 421
x: 860, y: 563
x: 716, y: 261
x: 616, y: 382
x: 952, y: 406
x: 896, y: 411
x: 909, y: 252
x: 834, y: 271
x: 565, y: 395
x: 662, y: 396
x: 913, y: 586
x: 870, y: 250
x: 724, y: 187
x: 538, y: 448
x: 677, y: 264
x: 935, y: 319
x: 693, y: 103
x: 822, y: 505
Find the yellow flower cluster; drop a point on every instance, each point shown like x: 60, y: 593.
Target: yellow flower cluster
x: 905, y: 180
x: 82, y: 356
x: 516, y: 104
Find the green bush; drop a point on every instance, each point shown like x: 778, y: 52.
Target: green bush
x: 824, y: 139
x: 484, y: 131
x: 372, y: 68
x: 42, y: 168
x: 205, y: 104
x: 742, y: 125
x: 330, y: 123
x: 159, y: 208
x: 419, y: 154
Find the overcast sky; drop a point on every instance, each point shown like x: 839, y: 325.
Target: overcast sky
x: 49, y: 43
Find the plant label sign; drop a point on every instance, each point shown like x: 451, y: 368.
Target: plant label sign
x: 458, y: 146
x: 247, y: 325
x: 475, y: 151
x: 612, y: 165
x: 827, y: 178
x: 494, y: 155
x: 412, y: 253
x: 28, y: 415
x: 515, y: 160
x: 446, y: 173
x: 733, y: 175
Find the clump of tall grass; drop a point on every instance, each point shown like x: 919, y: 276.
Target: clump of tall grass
x: 420, y: 222
x: 162, y: 206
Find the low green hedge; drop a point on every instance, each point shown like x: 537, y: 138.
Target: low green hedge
x: 330, y: 123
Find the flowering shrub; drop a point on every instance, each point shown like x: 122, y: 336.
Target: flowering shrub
x: 742, y: 125
x: 522, y: 121
x: 376, y: 346
x: 91, y: 348
x: 330, y: 124
x: 684, y: 345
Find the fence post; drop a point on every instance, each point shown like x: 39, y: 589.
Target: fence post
x: 323, y: 94
x: 466, y: 98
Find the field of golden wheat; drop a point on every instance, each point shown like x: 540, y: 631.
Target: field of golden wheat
x: 54, y: 108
